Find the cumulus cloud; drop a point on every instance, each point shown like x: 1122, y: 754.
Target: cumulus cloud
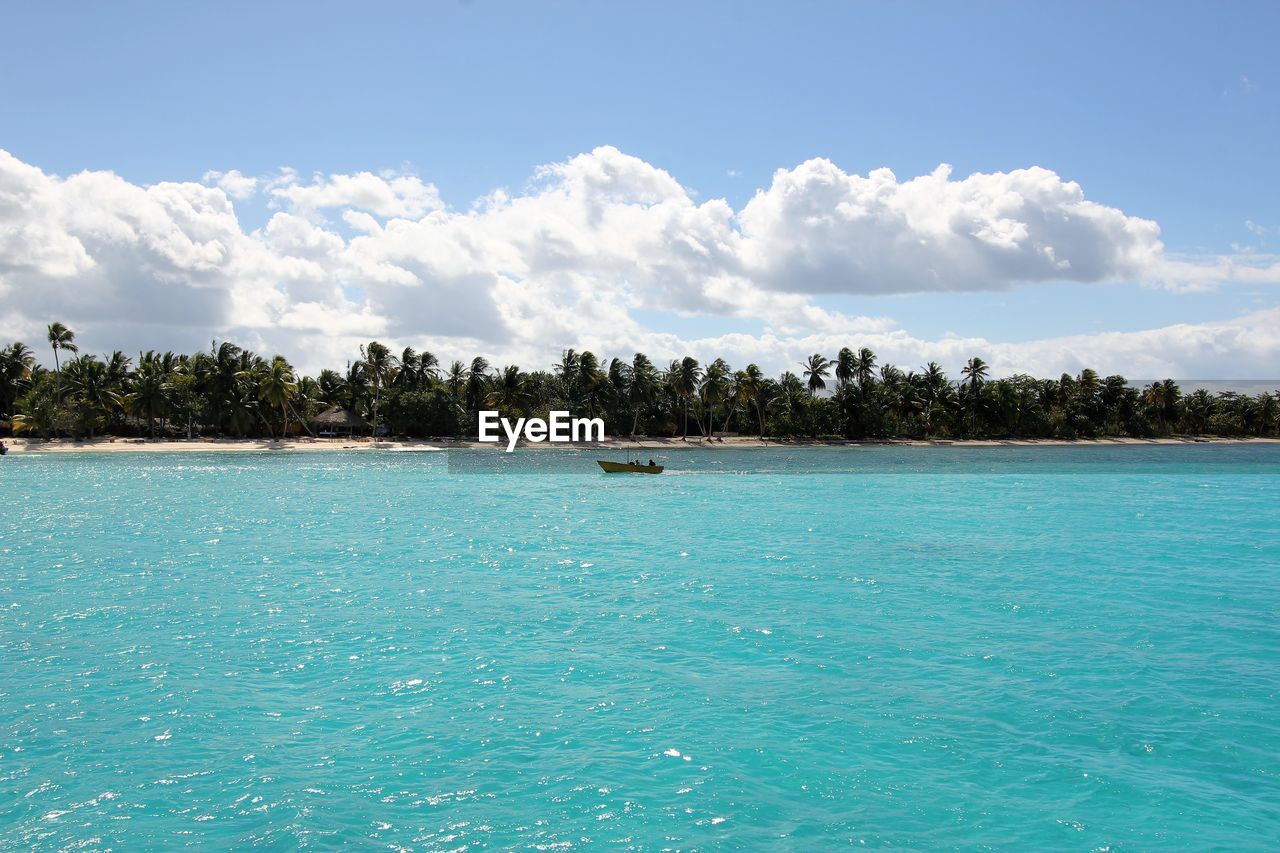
x: 576, y: 256
x: 233, y: 183
x: 818, y: 229
x: 389, y: 194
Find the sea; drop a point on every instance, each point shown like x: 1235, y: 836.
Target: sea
x: 1054, y: 647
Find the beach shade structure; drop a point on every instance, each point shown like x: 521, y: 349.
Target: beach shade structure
x: 336, y: 419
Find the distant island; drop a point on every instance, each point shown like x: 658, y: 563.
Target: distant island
x: 229, y: 391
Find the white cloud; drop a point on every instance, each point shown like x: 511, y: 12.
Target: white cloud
x: 234, y: 184
x: 818, y: 229
x: 389, y: 194
x: 571, y: 259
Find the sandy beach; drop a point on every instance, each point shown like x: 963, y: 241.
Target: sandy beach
x: 206, y: 445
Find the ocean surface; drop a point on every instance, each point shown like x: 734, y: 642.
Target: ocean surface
x: 1044, y: 648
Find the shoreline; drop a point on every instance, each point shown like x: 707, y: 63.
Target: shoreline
x: 207, y: 445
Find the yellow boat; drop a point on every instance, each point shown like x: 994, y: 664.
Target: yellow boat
x: 628, y: 468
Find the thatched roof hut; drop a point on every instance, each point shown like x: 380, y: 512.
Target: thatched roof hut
x: 338, y: 419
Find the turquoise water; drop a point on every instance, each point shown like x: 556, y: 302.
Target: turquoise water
x: 1042, y: 648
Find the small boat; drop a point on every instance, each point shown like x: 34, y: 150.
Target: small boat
x: 628, y: 468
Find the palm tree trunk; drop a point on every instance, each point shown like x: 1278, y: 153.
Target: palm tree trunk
x: 57, y: 370
x: 302, y: 423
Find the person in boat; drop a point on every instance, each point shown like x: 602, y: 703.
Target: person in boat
x: 651, y: 465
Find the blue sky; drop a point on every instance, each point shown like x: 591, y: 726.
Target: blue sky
x: 1166, y: 113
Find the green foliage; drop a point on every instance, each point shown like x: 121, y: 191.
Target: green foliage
x: 40, y: 412
x: 232, y: 391
x: 421, y: 413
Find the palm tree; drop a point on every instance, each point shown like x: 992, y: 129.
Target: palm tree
x: 907, y: 401
x: 864, y: 366
x: 277, y: 386
x: 845, y: 370
x: 243, y: 409
x: 771, y: 393
x: 38, y: 411
x: 751, y: 389
x: 1267, y: 413
x: 190, y: 381
x: 683, y: 377
x: 845, y: 366
x: 816, y: 370
x: 355, y: 386
x: 715, y: 390
x: 455, y: 381
x: 1199, y: 406
x: 378, y: 366
x: 118, y: 367
x: 91, y: 389
x: 61, y: 339
x: 511, y: 393
x: 642, y: 387
x: 409, y: 376
x: 975, y: 373
x: 16, y: 365
x: 332, y: 388
x: 591, y: 379
x: 218, y: 385
x: 934, y: 384
x: 307, y: 401
x: 616, y: 391
x: 149, y: 398
x: 477, y: 379
x: 428, y: 366
x: 1163, y: 398
x: 567, y: 372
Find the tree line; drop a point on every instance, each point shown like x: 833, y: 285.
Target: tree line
x: 230, y: 391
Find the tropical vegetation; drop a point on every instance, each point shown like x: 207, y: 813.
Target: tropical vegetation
x: 231, y: 391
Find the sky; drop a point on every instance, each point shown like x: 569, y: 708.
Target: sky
x: 1047, y: 188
